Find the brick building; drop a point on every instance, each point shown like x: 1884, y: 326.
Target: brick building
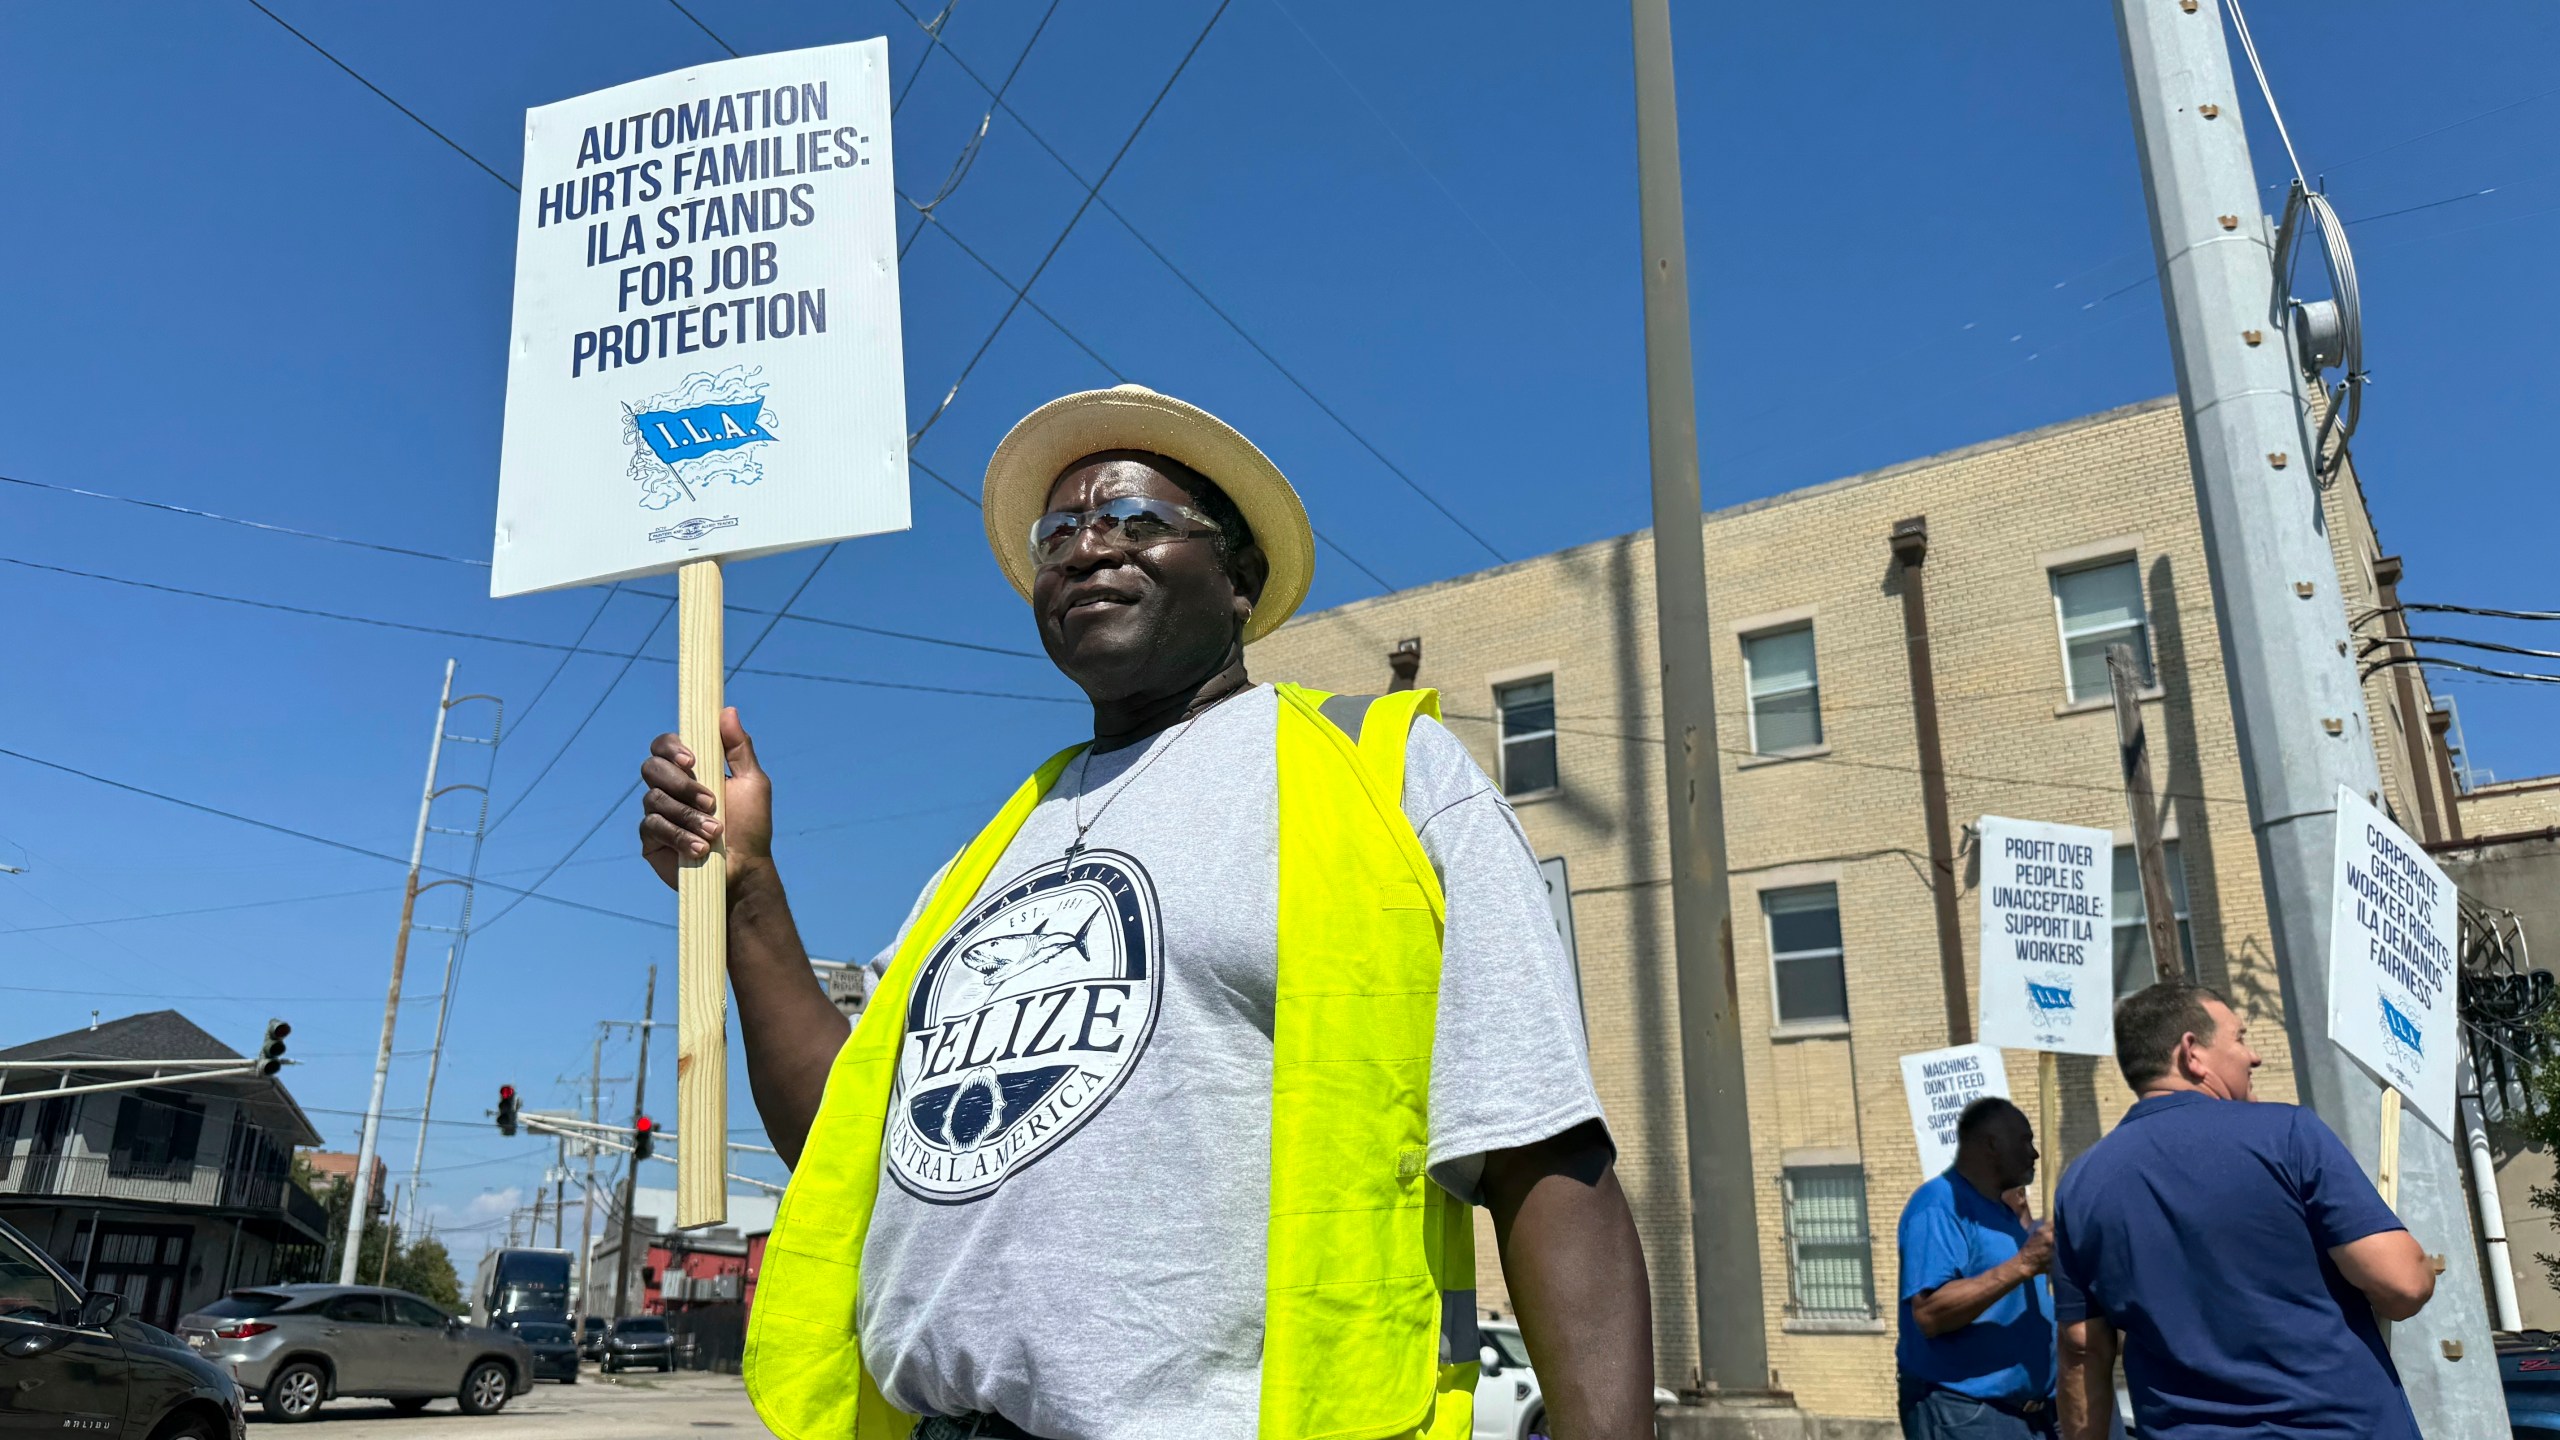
x: 2041, y: 549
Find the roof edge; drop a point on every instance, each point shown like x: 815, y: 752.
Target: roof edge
x: 1767, y: 502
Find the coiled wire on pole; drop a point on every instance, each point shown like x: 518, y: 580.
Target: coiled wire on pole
x: 2328, y: 332
x: 2325, y: 333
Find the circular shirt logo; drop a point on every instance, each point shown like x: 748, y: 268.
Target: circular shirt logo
x: 1022, y: 1023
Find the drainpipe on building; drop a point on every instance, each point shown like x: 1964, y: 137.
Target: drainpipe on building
x: 2484, y: 1193
x: 2439, y: 724
x: 1910, y: 542
x: 2404, y: 686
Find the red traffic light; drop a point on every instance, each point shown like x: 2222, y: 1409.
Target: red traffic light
x: 506, y: 1092
x: 644, y: 1124
x: 644, y: 1138
x: 506, y: 1109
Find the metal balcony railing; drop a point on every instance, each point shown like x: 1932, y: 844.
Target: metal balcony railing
x: 196, y: 1186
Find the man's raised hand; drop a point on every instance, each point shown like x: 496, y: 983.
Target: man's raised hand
x: 676, y: 823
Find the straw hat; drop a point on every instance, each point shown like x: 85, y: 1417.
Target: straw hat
x: 1133, y: 417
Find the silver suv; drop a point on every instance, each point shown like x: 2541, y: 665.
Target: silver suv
x: 295, y: 1346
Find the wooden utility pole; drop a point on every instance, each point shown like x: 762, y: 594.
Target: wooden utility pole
x: 2133, y: 752
x: 587, y: 1193
x: 631, y: 1175
x: 370, y: 1145
x: 702, y: 916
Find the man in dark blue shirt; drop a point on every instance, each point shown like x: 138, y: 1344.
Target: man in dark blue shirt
x: 2236, y: 1249
x: 1975, y: 1354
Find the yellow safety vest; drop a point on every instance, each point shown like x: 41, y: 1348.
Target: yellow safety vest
x: 1368, y: 1260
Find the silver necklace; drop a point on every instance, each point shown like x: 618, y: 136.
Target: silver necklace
x: 1084, y: 770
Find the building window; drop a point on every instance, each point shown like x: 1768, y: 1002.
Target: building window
x: 2101, y: 605
x: 155, y: 1137
x: 1528, y: 735
x: 1786, y: 698
x: 1830, y: 1273
x: 1804, y: 954
x: 2134, y: 968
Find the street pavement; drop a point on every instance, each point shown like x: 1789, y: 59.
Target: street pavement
x: 686, y: 1404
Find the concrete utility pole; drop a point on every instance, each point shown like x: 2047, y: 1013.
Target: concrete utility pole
x: 631, y: 1173
x: 370, y: 1145
x: 1724, y: 1224
x: 2295, y: 697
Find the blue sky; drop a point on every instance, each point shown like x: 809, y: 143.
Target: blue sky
x: 240, y: 282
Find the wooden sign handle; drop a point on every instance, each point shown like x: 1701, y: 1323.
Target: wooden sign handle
x: 702, y: 917
x: 2049, y: 1103
x: 2386, y: 1163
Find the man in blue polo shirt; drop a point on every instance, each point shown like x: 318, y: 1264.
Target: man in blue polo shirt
x: 1976, y: 1350
x: 2236, y: 1249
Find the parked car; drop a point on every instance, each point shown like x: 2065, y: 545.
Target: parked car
x: 555, y: 1350
x: 71, y: 1361
x: 639, y: 1340
x: 295, y: 1346
x: 591, y: 1335
x: 1509, y: 1403
x: 2529, y: 1367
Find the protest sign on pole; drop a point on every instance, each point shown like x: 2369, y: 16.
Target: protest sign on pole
x: 2392, y: 937
x: 2048, y: 959
x: 1939, y: 1084
x: 704, y: 365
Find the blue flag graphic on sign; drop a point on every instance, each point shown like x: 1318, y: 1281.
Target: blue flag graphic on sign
x: 2049, y: 997
x: 2400, y: 1028
x: 683, y: 434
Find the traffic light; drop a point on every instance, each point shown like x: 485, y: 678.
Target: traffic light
x: 271, y: 1047
x: 506, y: 1109
x: 644, y: 1137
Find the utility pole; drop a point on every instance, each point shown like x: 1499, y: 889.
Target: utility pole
x: 370, y: 1145
x: 1724, y: 1225
x: 2295, y: 697
x: 2133, y: 753
x: 560, y: 1198
x: 587, y: 1192
x: 631, y: 1171
x: 478, y: 835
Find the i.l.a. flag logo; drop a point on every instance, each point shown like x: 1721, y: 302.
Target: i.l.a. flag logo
x: 683, y: 434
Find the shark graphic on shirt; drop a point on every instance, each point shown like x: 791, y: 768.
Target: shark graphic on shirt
x: 999, y: 957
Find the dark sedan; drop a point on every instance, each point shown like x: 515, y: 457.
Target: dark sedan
x: 72, y: 1362
x: 640, y: 1340
x: 555, y: 1350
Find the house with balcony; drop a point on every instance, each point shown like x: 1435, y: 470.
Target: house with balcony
x: 169, y: 1192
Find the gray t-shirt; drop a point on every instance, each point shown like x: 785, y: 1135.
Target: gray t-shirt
x: 1075, y: 1179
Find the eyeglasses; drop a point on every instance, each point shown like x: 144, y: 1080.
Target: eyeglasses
x: 1132, y: 522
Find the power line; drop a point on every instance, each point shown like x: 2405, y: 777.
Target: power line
x: 553, y: 678
x: 634, y: 788
x: 1021, y: 294
x: 698, y: 25
x: 450, y: 633
x: 968, y: 157
x: 246, y: 524
x: 2481, y: 610
x: 589, y: 718
x: 822, y: 620
x: 269, y: 825
x: 385, y: 95
x: 2440, y: 663
x: 1093, y: 194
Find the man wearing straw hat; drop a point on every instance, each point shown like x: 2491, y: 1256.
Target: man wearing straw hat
x: 1181, y: 1079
